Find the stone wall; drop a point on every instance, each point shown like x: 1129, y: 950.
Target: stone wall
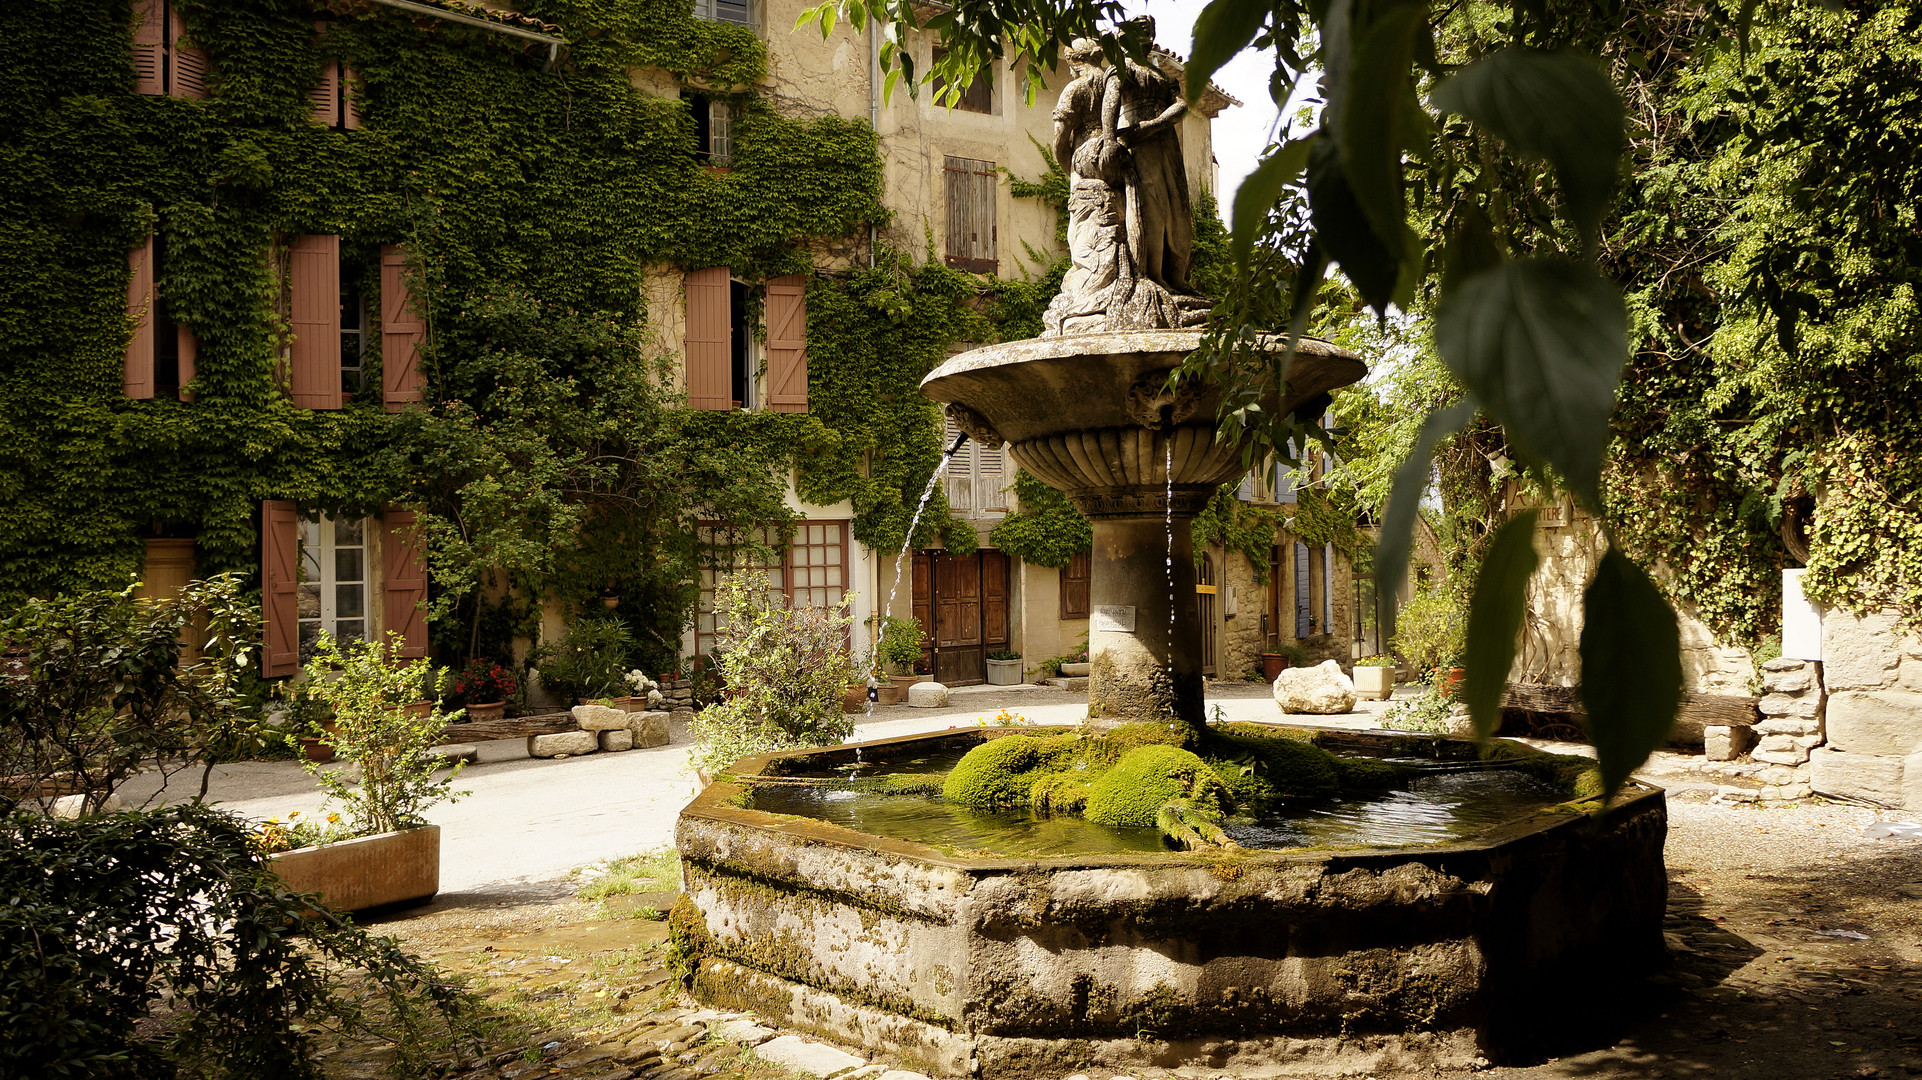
x: 1872, y: 671
x: 1240, y: 639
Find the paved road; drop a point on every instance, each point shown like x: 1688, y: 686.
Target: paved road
x: 528, y: 820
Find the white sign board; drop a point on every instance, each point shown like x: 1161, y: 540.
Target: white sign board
x: 1113, y: 618
x: 1801, y: 620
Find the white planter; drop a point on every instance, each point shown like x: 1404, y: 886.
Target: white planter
x: 367, y: 871
x: 1076, y: 671
x: 1004, y: 672
x: 1374, y: 683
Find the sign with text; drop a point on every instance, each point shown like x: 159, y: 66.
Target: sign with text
x: 1114, y: 618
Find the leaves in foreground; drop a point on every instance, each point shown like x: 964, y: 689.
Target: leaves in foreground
x: 1495, y: 617
x: 1631, y: 667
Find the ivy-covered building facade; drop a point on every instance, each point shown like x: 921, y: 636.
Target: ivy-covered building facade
x: 464, y: 324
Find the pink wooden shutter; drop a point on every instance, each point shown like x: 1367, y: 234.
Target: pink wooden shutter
x: 136, y: 374
x: 787, y: 344
x: 149, y: 47
x: 314, y: 273
x: 401, y: 332
x: 189, y: 352
x: 709, y: 341
x: 279, y: 588
x: 188, y: 63
x: 349, y: 99
x: 324, y: 96
x: 405, y: 583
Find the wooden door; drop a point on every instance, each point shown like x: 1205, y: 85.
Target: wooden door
x: 1205, y: 590
x: 959, y: 659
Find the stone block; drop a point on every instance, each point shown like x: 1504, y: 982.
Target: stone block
x: 928, y: 695
x: 562, y: 742
x: 1912, y: 782
x: 1785, y: 753
x: 1886, y: 722
x: 453, y: 752
x: 1784, y: 793
x: 1321, y: 690
x: 1857, y: 776
x: 600, y: 718
x: 1790, y: 705
x: 681, y: 715
x: 613, y: 742
x: 1859, y: 652
x: 1909, y: 675
x: 647, y: 729
x: 809, y: 1057
x: 1785, y: 663
x: 1789, y: 725
x: 1726, y: 743
x: 1788, y: 682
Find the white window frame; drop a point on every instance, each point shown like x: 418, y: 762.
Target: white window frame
x: 711, y: 11
x: 319, y: 590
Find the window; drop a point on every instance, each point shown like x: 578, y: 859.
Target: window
x: 810, y: 571
x: 971, y: 214
x: 713, y: 129
x: 733, y: 11
x: 334, y: 98
x: 978, y: 97
x: 315, y: 299
x: 721, y: 360
x: 977, y: 480
x: 163, y: 64
x: 1074, y: 588
x: 161, y: 354
x: 333, y: 580
x: 353, y: 339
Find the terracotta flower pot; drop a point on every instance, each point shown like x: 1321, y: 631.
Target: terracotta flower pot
x: 490, y: 710
x: 316, y: 748
x: 854, y: 699
x: 1272, y: 665
x: 1450, y: 683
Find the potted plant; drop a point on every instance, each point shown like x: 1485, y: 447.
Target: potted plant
x: 1283, y: 658
x: 484, y: 686
x: 1375, y: 677
x: 899, y: 649
x: 589, y: 663
x: 384, y: 852
x: 1431, y: 631
x: 1075, y: 665
x: 1004, y: 668
x: 312, y: 723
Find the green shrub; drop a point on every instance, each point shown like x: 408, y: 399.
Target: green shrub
x: 1148, y: 778
x: 1432, y: 630
x: 900, y: 644
x: 1002, y: 772
x: 187, y: 958
x: 591, y: 661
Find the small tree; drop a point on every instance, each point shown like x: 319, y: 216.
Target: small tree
x: 98, y: 684
x: 785, y: 669
x: 374, y: 729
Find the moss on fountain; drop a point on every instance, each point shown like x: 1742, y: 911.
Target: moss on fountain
x: 1148, y: 778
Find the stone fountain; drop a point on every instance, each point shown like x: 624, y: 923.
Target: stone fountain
x: 962, y: 961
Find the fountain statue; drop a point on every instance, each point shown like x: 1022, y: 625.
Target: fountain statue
x: 1087, y: 407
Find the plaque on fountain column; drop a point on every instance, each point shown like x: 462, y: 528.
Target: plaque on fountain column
x: 1113, y: 618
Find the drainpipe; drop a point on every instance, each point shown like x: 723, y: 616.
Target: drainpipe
x: 874, y: 109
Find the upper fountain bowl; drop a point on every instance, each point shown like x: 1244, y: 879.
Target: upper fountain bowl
x: 1020, y: 391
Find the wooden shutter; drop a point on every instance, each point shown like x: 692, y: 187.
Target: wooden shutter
x: 1074, y: 588
x: 921, y: 599
x: 709, y: 340
x: 994, y: 598
x: 970, y: 191
x: 279, y: 588
x: 990, y: 479
x: 960, y: 470
x: 188, y: 347
x: 787, y: 344
x: 136, y: 376
x: 404, y: 584
x: 314, y: 283
x: 401, y: 333
x: 323, y: 98
x: 187, y: 64
x: 149, y: 47
x: 349, y: 99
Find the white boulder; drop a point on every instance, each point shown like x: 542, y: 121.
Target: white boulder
x: 1321, y: 690
x: 928, y: 695
x: 562, y: 743
x: 600, y: 718
x: 616, y: 741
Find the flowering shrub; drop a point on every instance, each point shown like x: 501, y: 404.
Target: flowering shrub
x: 483, y: 681
x: 274, y: 836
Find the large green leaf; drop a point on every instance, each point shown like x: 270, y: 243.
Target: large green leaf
x: 1541, y: 342
x: 1556, y: 106
x: 1343, y: 230
x: 1373, y: 104
x: 1631, y: 667
x: 1495, y: 617
x: 1261, y: 190
x: 1411, y: 479
x: 1224, y: 28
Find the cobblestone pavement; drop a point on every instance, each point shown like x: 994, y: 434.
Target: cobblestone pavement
x: 1797, y: 945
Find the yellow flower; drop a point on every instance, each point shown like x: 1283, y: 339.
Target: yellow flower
x: 333, y: 819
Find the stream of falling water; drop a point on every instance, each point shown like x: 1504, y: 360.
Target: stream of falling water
x: 1168, y: 468
x: 908, y: 542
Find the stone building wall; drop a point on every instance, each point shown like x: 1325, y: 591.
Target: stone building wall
x: 1872, y: 672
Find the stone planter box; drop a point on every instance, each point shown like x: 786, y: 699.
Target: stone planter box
x: 1374, y: 683
x: 1004, y: 672
x: 1076, y: 671
x: 367, y: 871
x: 1290, y: 962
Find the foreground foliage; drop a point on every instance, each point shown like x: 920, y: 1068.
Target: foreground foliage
x: 158, y: 944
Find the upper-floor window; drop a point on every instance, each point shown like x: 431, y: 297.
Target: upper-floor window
x: 335, y: 98
x: 977, y: 476
x: 161, y: 354
x: 970, y: 188
x: 977, y: 97
x: 333, y: 580
x: 164, y: 63
x: 353, y: 336
x: 722, y: 361
x: 734, y: 11
x: 713, y: 129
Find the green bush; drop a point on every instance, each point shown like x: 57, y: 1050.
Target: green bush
x: 1432, y: 630
x: 1148, y: 778
x: 1002, y: 772
x: 900, y: 644
x: 591, y: 661
x: 157, y: 945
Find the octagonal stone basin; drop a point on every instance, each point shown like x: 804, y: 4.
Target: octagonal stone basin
x: 1306, y: 961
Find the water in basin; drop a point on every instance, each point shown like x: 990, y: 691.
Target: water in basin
x: 1435, y: 807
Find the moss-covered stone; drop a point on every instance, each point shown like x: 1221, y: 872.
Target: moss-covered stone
x: 1059, y: 793
x: 1261, y: 765
x: 1575, y: 776
x: 1002, y: 772
x: 1368, y: 774
x: 1148, y: 778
